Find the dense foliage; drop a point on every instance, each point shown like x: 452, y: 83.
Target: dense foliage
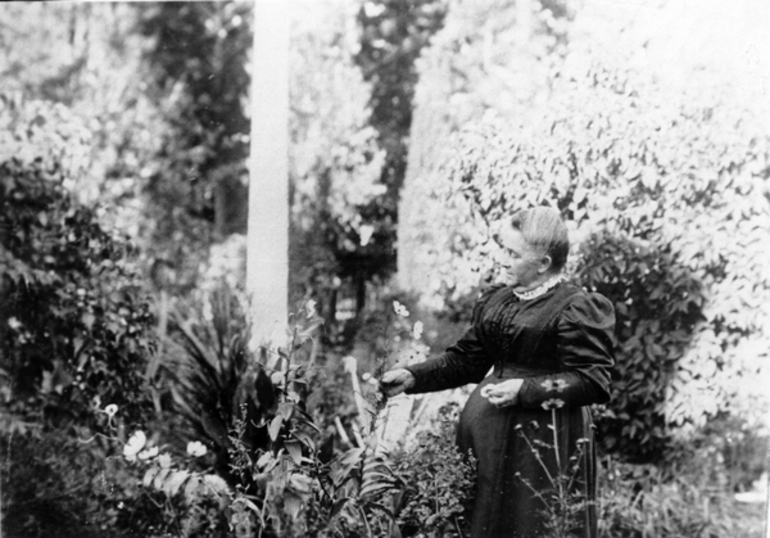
x: 489, y: 59
x: 335, y: 166
x: 194, y: 183
x: 353, y: 83
x: 393, y: 34
x: 76, y: 332
x: 671, y: 211
x: 76, y: 328
x: 276, y: 449
x: 666, y: 198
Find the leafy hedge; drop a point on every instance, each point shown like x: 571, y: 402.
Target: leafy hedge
x: 669, y: 208
x: 664, y: 186
x: 75, y: 327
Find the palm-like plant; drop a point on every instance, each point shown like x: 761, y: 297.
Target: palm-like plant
x: 215, y: 380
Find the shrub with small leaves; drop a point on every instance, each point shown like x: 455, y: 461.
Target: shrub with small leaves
x: 438, y: 482
x: 75, y: 327
x: 668, y: 213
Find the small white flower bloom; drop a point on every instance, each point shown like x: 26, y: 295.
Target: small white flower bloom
x: 349, y: 364
x: 560, y: 385
x: 366, y: 376
x: 111, y: 410
x: 164, y: 460
x: 548, y: 385
x: 400, y: 309
x: 135, y: 444
x: 365, y: 232
x: 310, y: 308
x: 14, y: 323
x: 553, y: 403
x: 148, y: 453
x: 417, y: 330
x: 196, y: 449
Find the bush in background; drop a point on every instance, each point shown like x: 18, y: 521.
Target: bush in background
x: 75, y: 330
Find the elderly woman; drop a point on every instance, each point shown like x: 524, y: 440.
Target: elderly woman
x: 549, y: 346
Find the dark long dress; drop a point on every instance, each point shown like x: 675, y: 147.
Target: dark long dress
x: 561, y: 344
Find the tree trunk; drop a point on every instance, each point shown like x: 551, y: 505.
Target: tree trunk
x: 268, y: 224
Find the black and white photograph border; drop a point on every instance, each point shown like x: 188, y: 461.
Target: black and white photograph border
x: 326, y: 268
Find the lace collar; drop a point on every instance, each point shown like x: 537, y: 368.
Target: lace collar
x: 552, y: 282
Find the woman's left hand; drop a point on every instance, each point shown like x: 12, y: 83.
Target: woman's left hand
x: 503, y: 394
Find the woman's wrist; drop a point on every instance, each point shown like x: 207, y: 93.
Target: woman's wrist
x: 411, y: 379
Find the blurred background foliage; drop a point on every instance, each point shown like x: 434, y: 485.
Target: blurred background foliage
x: 413, y: 124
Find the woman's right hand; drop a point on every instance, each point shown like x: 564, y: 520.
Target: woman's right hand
x: 396, y: 381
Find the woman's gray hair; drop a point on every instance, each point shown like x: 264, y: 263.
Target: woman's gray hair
x: 543, y: 228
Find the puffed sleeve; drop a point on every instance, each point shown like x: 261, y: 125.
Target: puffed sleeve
x: 585, y: 347
x: 466, y: 361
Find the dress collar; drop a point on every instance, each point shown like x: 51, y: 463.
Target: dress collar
x: 552, y: 282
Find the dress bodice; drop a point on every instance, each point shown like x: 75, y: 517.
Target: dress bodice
x: 564, y: 331
x: 522, y: 333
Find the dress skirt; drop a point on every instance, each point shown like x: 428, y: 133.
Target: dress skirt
x: 536, y: 474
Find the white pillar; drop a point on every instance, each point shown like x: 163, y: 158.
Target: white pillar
x: 268, y: 226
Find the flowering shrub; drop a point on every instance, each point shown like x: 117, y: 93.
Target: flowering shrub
x: 267, y: 462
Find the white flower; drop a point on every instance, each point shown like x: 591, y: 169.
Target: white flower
x: 553, y: 403
x: 349, y: 364
x: 549, y: 385
x: 366, y: 377
x: 164, y: 460
x: 135, y: 444
x: 561, y: 384
x: 148, y: 453
x: 365, y: 232
x: 557, y: 385
x: 400, y: 309
x: 14, y: 323
x: 196, y: 449
x: 111, y: 410
x: 310, y: 308
x: 417, y: 330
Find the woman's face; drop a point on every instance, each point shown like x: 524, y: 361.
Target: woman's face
x: 521, y: 266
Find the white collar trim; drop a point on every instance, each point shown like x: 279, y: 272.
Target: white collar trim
x: 541, y: 289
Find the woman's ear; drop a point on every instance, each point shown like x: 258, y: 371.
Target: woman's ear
x: 545, y: 264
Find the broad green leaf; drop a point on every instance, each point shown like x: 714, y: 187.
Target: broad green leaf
x: 274, y: 429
